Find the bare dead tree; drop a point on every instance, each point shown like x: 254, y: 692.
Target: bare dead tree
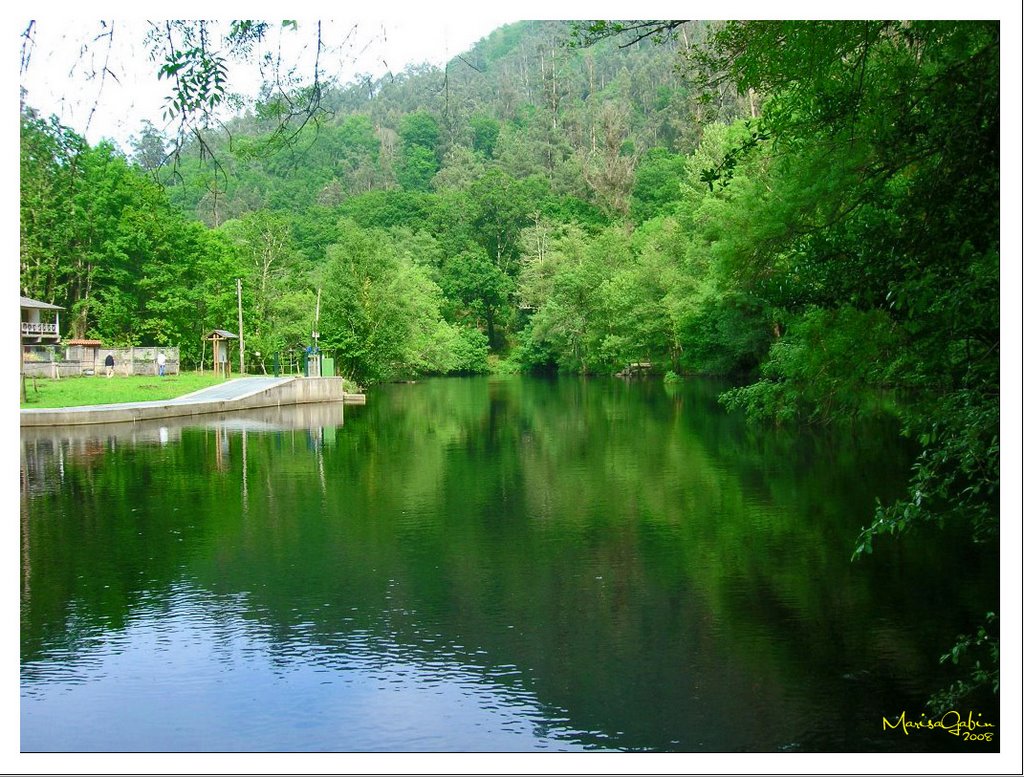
x: 630, y: 32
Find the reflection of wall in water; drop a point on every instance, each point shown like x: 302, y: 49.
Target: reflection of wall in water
x: 268, y: 419
x: 45, y: 449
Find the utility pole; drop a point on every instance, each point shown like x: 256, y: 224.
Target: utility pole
x: 241, y: 337
x: 21, y: 359
x: 316, y: 334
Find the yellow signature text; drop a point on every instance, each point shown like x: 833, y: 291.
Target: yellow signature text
x: 952, y: 723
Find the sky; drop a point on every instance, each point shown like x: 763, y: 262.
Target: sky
x: 67, y: 51
x: 98, y: 77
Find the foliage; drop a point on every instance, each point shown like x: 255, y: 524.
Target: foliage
x: 979, y: 655
x: 388, y: 208
x: 469, y: 351
x: 417, y: 168
x: 419, y: 134
x: 824, y: 368
x: 485, y: 134
x: 381, y: 312
x: 48, y: 178
x: 473, y: 283
x: 956, y: 475
x: 419, y: 130
x: 657, y: 186
x: 100, y: 239
x: 880, y: 147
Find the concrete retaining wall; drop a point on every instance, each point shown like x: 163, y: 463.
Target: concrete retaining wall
x: 292, y: 391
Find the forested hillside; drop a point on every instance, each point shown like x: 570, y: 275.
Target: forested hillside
x: 505, y: 191
x: 811, y: 207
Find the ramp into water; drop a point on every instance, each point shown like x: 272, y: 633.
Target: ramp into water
x: 231, y: 390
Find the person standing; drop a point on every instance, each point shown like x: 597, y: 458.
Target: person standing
x: 161, y: 363
x: 109, y: 364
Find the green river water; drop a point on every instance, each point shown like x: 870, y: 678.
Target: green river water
x: 485, y: 564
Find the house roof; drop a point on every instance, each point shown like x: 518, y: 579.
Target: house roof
x: 220, y: 333
x: 83, y: 342
x: 28, y: 302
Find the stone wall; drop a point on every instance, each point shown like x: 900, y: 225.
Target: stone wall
x: 127, y: 361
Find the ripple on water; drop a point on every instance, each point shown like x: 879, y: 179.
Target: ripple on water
x: 189, y: 672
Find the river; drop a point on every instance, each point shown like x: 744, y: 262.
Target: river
x: 481, y: 564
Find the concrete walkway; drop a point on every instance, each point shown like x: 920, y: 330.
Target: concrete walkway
x: 233, y: 395
x: 231, y: 390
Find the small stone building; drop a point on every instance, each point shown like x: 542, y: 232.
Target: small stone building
x: 86, y: 353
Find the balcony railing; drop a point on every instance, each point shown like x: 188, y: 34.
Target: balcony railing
x: 38, y: 328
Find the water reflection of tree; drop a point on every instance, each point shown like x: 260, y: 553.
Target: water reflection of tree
x: 645, y: 563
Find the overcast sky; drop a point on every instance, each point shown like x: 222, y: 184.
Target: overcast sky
x: 67, y: 57
x: 67, y: 51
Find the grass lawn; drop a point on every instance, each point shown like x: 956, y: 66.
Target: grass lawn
x: 100, y: 390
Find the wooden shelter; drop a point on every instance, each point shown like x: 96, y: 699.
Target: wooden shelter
x: 221, y: 340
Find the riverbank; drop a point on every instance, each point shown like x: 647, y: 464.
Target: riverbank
x: 226, y: 397
x: 98, y: 390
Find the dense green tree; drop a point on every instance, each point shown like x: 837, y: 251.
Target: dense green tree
x: 420, y: 151
x: 100, y: 239
x: 475, y: 284
x: 416, y: 168
x: 657, y: 184
x: 500, y: 209
x: 48, y: 175
x: 560, y: 284
x: 485, y: 134
x: 419, y: 129
x: 381, y: 311
x: 389, y: 208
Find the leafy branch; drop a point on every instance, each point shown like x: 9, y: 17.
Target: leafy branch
x: 979, y: 653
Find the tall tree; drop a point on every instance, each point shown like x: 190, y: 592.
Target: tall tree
x: 149, y: 147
